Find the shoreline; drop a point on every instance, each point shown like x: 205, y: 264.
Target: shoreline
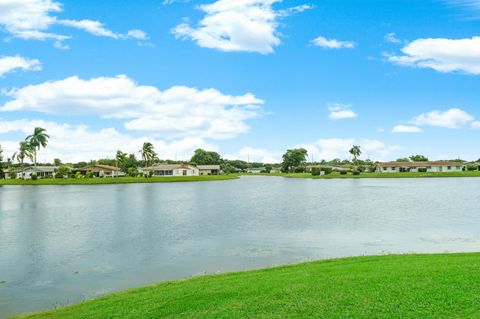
x: 389, y: 286
x: 117, y: 180
x: 371, y: 175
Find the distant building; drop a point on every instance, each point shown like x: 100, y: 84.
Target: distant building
x: 255, y: 170
x: 173, y: 170
x: 275, y: 170
x: 40, y: 171
x: 473, y: 164
x: 100, y: 171
x: 431, y: 167
x: 209, y: 169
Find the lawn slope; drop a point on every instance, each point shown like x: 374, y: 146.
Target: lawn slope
x: 119, y: 180
x: 405, y: 286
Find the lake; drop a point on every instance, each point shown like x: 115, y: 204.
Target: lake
x: 63, y: 244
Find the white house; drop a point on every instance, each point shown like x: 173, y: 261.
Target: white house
x: 101, y: 171
x: 40, y: 171
x: 174, y: 170
x: 209, y: 169
x: 431, y: 167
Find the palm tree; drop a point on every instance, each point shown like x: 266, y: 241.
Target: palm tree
x: 356, y: 152
x: 120, y: 158
x: 37, y: 140
x: 24, y: 151
x: 148, y: 153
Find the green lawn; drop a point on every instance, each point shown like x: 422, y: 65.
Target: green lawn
x: 120, y: 180
x: 378, y: 175
x: 399, y: 286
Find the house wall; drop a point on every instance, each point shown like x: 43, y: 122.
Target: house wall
x: 432, y: 169
x: 180, y: 172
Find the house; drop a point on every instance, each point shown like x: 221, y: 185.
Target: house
x: 40, y: 171
x: 100, y: 171
x: 255, y: 170
x: 337, y: 168
x: 275, y: 170
x: 209, y: 169
x: 174, y: 170
x: 431, y: 167
x: 473, y: 164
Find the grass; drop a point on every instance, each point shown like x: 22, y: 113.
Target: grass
x: 396, y: 286
x: 119, y: 180
x: 378, y: 175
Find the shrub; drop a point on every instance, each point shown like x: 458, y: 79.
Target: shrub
x: 422, y: 170
x: 356, y: 173
x: 299, y: 169
x: 79, y: 175
x: 315, y: 171
x: 150, y: 173
x: 34, y: 177
x: 132, y: 172
x: 327, y: 170
x: 13, y: 175
x: 62, y: 171
x: 343, y: 172
x: 472, y: 168
x: 89, y: 175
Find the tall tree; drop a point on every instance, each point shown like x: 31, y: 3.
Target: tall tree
x: 24, y: 151
x: 294, y: 158
x: 203, y: 157
x: 120, y: 158
x: 37, y: 140
x: 419, y: 158
x: 355, y: 151
x: 148, y: 153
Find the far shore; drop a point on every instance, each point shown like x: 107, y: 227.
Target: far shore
x: 373, y: 175
x: 117, y: 180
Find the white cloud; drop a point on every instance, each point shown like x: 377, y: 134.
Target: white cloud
x: 475, y: 125
x: 73, y: 143
x: 442, y: 55
x: 453, y: 118
x: 341, y: 111
x: 12, y: 63
x: 328, y: 149
x: 173, y: 113
x: 333, y: 43
x: 232, y: 25
x: 406, y: 129
x: 392, y: 38
x: 255, y: 155
x: 31, y: 20
x: 97, y: 28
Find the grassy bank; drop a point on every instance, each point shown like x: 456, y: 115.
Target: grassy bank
x: 404, y: 286
x: 378, y: 175
x: 120, y: 180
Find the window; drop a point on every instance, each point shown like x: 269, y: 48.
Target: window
x: 449, y: 167
x: 184, y: 172
x: 385, y: 168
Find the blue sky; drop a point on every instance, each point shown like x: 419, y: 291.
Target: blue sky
x: 246, y: 78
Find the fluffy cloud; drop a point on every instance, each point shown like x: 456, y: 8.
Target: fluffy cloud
x: 73, y: 143
x: 392, y: 38
x: 332, y: 148
x: 232, y: 25
x: 340, y: 111
x: 406, y: 129
x: 453, y: 118
x: 442, y: 55
x: 12, y: 63
x: 173, y: 113
x: 31, y: 19
x: 256, y: 155
x: 333, y: 43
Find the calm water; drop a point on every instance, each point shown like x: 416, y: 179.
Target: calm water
x: 62, y: 244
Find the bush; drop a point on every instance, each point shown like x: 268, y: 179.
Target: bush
x: 13, y: 175
x: 472, y: 168
x: 327, y: 170
x: 89, y: 175
x: 79, y: 175
x: 150, y: 173
x: 422, y: 170
x: 343, y: 172
x: 315, y: 171
x: 299, y: 169
x: 34, y: 177
x: 356, y: 173
x: 62, y: 171
x: 132, y: 172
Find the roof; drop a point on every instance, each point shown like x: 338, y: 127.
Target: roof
x: 420, y: 164
x: 98, y: 167
x: 42, y: 169
x: 169, y: 167
x: 208, y: 167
